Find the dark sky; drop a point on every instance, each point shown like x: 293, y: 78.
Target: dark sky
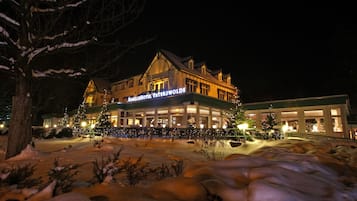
x: 272, y: 50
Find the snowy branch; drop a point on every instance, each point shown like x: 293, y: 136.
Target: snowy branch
x: 49, y: 49
x: 5, y: 35
x: 4, y: 67
x: 55, y: 36
x: 9, y: 21
x: 52, y: 72
x: 59, y: 8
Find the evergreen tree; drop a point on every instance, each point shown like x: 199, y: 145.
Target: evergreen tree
x: 236, y: 115
x: 103, y: 122
x: 78, y: 118
x: 269, y: 123
x: 65, y: 118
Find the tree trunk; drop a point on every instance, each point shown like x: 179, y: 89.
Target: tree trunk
x: 20, y: 131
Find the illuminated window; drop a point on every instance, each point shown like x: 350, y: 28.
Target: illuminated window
x: 230, y: 97
x: 204, y: 88
x: 191, y: 109
x: 89, y: 100
x: 314, y: 121
x: 191, y: 85
x: 160, y: 85
x: 221, y: 94
x: 290, y: 119
x: 336, y: 120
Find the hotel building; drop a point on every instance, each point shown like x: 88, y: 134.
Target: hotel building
x: 172, y: 92
x: 179, y: 92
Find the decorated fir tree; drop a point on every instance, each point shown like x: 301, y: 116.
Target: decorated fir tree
x: 78, y: 118
x: 236, y: 116
x: 65, y: 120
x: 103, y: 122
x: 269, y: 123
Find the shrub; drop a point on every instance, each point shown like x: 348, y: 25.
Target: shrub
x: 64, y: 132
x: 20, y: 175
x: 64, y: 176
x: 136, y: 171
x: 106, y: 167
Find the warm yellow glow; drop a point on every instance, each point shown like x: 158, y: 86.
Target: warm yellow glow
x: 1, y: 125
x: 83, y: 123
x: 67, y: 125
x: 202, y: 126
x: 285, y: 128
x: 55, y: 126
x: 92, y: 126
x: 214, y: 126
x: 224, y: 126
x: 164, y: 125
x: 243, y: 126
x: 46, y: 126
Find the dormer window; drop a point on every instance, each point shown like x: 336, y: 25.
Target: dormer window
x: 228, y: 79
x: 190, y: 64
x: 219, y: 76
x: 203, y: 69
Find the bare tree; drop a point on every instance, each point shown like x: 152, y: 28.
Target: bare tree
x: 32, y: 31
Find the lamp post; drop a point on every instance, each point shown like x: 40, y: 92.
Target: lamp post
x: 243, y: 127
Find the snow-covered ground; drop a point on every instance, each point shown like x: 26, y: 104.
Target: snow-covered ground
x: 284, y: 170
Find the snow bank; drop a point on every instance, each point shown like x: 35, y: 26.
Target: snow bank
x: 28, y: 153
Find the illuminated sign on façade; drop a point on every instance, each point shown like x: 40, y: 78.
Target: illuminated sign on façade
x: 157, y: 94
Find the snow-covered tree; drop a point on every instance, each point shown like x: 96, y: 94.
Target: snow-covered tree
x: 269, y: 123
x: 65, y: 120
x: 103, y: 121
x: 78, y: 118
x: 236, y: 114
x: 33, y: 31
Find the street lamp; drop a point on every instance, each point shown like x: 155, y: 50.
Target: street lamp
x: 83, y: 124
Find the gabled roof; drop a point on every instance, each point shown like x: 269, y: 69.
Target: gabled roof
x: 101, y: 84
x: 299, y: 102
x: 178, y: 63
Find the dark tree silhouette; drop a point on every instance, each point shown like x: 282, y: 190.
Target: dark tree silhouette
x: 32, y: 31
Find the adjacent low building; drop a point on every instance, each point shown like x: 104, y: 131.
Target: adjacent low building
x: 324, y: 116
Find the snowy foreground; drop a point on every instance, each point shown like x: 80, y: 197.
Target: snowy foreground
x: 285, y: 170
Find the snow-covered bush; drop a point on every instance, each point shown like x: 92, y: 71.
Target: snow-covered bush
x: 64, y: 176
x: 20, y: 176
x: 136, y: 171
x: 106, y: 169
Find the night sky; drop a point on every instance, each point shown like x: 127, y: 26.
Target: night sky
x: 272, y: 50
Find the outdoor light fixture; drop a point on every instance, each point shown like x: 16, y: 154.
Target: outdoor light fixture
x: 92, y: 126
x: 55, y: 126
x: 67, y: 125
x: 83, y: 124
x: 202, y: 126
x: 1, y: 125
x: 46, y: 126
